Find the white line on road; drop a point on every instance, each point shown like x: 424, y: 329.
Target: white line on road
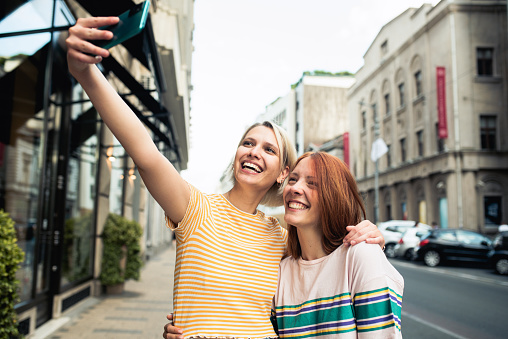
x: 434, y: 326
x: 454, y: 274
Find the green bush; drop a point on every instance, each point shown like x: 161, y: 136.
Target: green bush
x: 10, y: 257
x: 120, y: 238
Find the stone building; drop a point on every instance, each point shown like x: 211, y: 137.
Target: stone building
x: 314, y: 111
x: 434, y: 88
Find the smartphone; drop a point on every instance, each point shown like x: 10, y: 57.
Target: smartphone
x: 131, y: 23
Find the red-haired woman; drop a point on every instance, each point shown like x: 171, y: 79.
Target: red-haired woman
x: 327, y: 290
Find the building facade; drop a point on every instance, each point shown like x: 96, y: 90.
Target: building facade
x: 315, y: 115
x: 314, y: 111
x: 61, y: 170
x: 433, y: 88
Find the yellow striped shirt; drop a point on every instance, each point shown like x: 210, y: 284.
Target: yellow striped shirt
x: 226, y: 269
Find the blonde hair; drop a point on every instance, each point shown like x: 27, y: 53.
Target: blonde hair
x: 287, y: 158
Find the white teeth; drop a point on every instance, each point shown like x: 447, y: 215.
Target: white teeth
x: 252, y: 166
x: 297, y: 206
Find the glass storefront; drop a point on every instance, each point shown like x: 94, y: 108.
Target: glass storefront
x: 57, y: 177
x: 78, y: 238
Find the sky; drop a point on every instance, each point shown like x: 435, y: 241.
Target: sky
x: 249, y: 53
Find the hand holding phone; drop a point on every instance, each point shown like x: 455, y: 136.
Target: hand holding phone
x: 131, y: 23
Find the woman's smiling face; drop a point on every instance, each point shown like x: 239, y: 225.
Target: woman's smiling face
x: 257, y: 158
x: 301, y: 196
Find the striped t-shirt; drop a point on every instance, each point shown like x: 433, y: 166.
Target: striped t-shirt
x: 226, y: 269
x: 354, y: 292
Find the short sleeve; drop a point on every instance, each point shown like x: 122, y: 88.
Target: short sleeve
x: 376, y: 289
x: 197, y: 211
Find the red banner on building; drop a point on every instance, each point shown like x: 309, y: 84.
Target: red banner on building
x: 345, y: 141
x: 441, y: 102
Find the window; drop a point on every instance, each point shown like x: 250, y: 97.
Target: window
x: 488, y: 132
x: 388, y: 212
x: 374, y: 113
x: 484, y: 61
x: 447, y: 236
x: 389, y: 156
x: 492, y: 210
x: 384, y: 48
x: 387, y: 104
x: 419, y: 141
x: 401, y: 94
x: 439, y: 141
x: 403, y: 149
x: 418, y: 83
x: 364, y: 120
x: 471, y: 238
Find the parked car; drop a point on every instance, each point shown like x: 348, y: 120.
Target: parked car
x: 498, y: 257
x: 406, y: 247
x: 441, y: 245
x: 392, y: 232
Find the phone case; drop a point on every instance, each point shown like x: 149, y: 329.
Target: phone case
x: 131, y: 23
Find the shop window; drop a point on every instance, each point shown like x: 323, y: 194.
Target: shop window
x: 492, y: 210
x: 403, y: 210
x: 388, y: 212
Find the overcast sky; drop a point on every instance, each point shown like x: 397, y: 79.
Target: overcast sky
x: 248, y: 53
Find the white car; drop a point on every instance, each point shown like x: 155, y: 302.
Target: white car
x: 407, y: 244
x: 392, y: 232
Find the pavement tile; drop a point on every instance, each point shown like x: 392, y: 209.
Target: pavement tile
x: 139, y: 312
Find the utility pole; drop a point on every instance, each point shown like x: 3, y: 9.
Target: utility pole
x: 376, y: 174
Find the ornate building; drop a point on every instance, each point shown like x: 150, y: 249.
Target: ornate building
x: 433, y: 88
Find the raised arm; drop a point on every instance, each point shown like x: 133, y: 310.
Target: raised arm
x: 160, y: 177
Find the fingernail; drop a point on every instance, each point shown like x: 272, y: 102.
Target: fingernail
x: 98, y: 58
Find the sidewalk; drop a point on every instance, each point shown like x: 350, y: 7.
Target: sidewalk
x: 140, y: 312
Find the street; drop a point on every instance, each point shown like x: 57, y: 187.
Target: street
x: 452, y: 301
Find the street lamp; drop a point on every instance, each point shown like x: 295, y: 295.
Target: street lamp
x: 379, y: 148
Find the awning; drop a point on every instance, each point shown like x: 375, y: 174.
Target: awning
x: 157, y: 109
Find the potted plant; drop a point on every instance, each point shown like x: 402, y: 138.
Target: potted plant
x: 10, y: 257
x: 121, y: 259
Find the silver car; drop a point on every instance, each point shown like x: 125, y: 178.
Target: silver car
x: 410, y: 239
x: 392, y: 231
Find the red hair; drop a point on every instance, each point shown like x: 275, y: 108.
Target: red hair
x: 340, y: 203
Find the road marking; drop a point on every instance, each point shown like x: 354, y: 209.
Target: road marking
x: 453, y: 274
x: 424, y: 322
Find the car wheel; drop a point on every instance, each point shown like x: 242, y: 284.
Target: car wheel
x: 410, y: 254
x: 502, y: 266
x: 431, y: 258
x: 390, y: 251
